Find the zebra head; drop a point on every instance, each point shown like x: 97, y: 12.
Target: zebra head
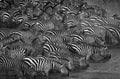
x: 83, y: 62
x: 99, y: 41
x: 110, y: 38
x: 64, y: 70
x: 68, y: 63
x: 27, y: 69
x: 28, y: 61
x: 42, y: 38
x: 104, y: 51
x: 102, y: 55
x: 60, y: 67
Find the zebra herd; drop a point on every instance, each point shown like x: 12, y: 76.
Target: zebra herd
x: 38, y: 36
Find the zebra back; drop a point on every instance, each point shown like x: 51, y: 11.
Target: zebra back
x: 84, y: 49
x: 43, y: 64
x: 90, y: 39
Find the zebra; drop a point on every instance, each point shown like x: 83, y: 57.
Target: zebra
x: 88, y: 27
x: 44, y: 65
x: 51, y: 47
x: 62, y: 52
x: 6, y: 32
x: 19, y: 66
x: 11, y: 38
x: 19, y: 50
x: 22, y: 35
x: 1, y: 35
x: 72, y: 63
x: 19, y: 20
x: 39, y: 26
x: 71, y: 20
x: 87, y: 50
x: 16, y: 54
x: 56, y: 36
x: 10, y: 2
x: 4, y: 16
x: 54, y: 32
x: 104, y: 21
x: 99, y: 19
x: 90, y: 39
x: 113, y: 33
x: 68, y: 63
x: 56, y: 39
x: 60, y: 33
x: 26, y: 25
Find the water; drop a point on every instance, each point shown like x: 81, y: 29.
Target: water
x: 108, y: 70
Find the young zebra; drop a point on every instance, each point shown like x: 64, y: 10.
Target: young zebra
x: 44, y: 65
x: 19, y: 66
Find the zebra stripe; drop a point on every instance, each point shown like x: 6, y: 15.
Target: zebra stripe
x: 44, y: 64
x: 8, y: 32
x: 83, y: 49
x: 50, y: 47
x: 25, y: 49
x: 68, y: 63
x: 5, y: 16
x: 90, y: 39
x: 17, y: 54
x: 57, y: 40
x: 94, y: 30
x: 58, y: 50
x: 89, y: 30
x: 20, y: 19
x: 114, y: 30
x: 7, y: 63
x: 57, y: 32
x: 99, y: 19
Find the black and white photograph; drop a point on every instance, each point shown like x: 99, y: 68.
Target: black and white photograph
x: 59, y: 39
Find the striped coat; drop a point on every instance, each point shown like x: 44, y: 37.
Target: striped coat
x: 44, y: 65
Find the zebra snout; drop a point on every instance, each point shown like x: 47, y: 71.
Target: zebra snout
x: 106, y: 58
